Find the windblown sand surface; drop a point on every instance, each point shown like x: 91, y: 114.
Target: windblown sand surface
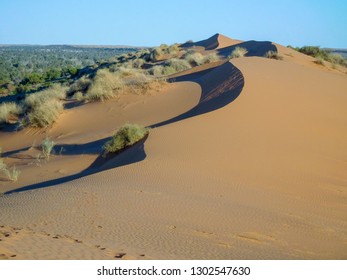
x: 246, y: 159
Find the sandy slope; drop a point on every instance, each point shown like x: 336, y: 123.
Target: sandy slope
x: 262, y: 177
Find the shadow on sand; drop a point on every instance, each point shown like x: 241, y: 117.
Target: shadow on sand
x: 130, y: 155
x: 254, y: 48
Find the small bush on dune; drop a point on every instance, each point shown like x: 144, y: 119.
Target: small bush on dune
x: 238, y: 52
x: 319, y: 61
x: 138, y: 63
x: 173, y: 49
x: 105, y: 85
x: 47, y: 146
x: 157, y: 53
x: 11, y: 173
x: 78, y: 96
x: 194, y: 58
x: 44, y: 107
x: 44, y: 114
x: 141, y: 83
x: 126, y: 136
x: 211, y: 57
x: 337, y: 59
x: 8, y: 110
x: 273, y: 55
x: 156, y: 70
x: 177, y: 64
x: 81, y: 84
x: 314, y: 51
x: 56, y: 92
x: 123, y: 72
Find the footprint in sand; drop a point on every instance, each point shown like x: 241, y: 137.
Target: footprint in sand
x: 120, y: 255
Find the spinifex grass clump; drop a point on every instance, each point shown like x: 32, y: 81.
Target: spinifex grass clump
x: 238, y: 52
x: 273, y: 55
x: 9, y: 110
x: 126, y: 136
x: 11, y: 173
x: 47, y: 146
x: 44, y: 107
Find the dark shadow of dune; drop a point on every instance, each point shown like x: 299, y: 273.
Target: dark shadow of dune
x: 94, y: 147
x: 254, y: 48
x: 13, y: 152
x: 130, y: 155
x: 220, y: 87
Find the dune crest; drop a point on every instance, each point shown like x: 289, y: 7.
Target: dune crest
x: 216, y: 41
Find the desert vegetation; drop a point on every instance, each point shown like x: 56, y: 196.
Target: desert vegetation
x: 105, y: 85
x: 322, y: 55
x: 43, y: 108
x: 127, y: 135
x: 30, y: 68
x: 196, y: 59
x: 11, y: 173
x: 47, y: 146
x: 273, y: 55
x: 238, y: 52
x: 9, y: 111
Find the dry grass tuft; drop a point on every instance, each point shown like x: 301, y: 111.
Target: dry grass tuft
x: 273, y: 55
x: 9, y: 111
x: 238, y: 52
x: 105, y: 85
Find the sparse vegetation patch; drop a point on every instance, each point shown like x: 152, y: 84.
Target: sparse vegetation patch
x: 8, y: 111
x: 47, y: 146
x: 127, y: 135
x: 238, y: 52
x: 273, y: 55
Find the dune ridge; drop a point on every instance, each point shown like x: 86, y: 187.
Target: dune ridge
x: 246, y: 159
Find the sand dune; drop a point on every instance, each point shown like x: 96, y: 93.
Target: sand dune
x: 246, y: 159
x: 217, y: 41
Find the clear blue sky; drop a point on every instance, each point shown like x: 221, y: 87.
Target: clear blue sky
x: 149, y: 23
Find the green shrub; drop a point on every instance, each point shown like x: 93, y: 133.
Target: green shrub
x: 105, y: 85
x: 32, y: 78
x: 47, y: 146
x: 273, y: 55
x: 8, y: 110
x: 126, y: 136
x: 314, y: 51
x: 238, y: 52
